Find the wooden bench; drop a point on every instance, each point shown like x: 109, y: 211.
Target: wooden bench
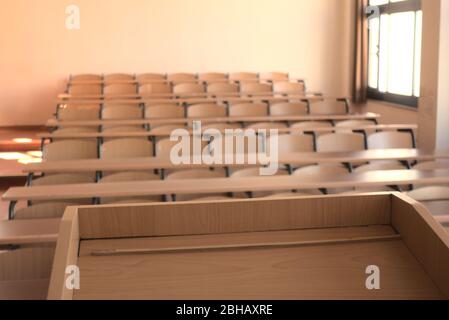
x: 303, y: 158
x: 137, y: 122
x: 167, y: 133
x: 224, y: 185
x: 156, y: 99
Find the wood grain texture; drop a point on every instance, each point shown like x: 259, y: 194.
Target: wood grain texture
x: 96, y: 123
x: 167, y: 133
x: 412, y: 268
x: 425, y: 238
x: 24, y: 289
x: 294, y: 158
x: 321, y: 272
x: 66, y: 254
x: 27, y: 263
x: 222, y: 185
x: 196, y: 218
x: 88, y: 247
x: 29, y: 231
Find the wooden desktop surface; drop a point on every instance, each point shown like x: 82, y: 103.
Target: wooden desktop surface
x: 300, y: 158
x: 340, y: 257
x: 186, y: 99
x: 167, y: 132
x: 223, y: 185
x: 96, y: 123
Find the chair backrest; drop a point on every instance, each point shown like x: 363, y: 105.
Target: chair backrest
x: 116, y: 129
x: 274, y: 76
x: 432, y: 165
x: 288, y: 143
x: 155, y: 88
x: 165, y: 146
x: 126, y: 148
x: 196, y: 174
x: 206, y: 111
x: 288, y: 87
x: 188, y: 88
x: 267, y: 125
x: 43, y: 210
x: 288, y: 109
x: 249, y: 110
x: 212, y: 76
x: 390, y: 140
x: 165, y: 129
x: 120, y: 89
x: 380, y: 165
x: 328, y: 107
x: 118, y: 77
x: 73, y: 130
x: 221, y: 87
x: 222, y: 126
x: 255, y: 88
x: 122, y: 112
x: 70, y: 150
x: 130, y: 177
x: 177, y: 78
x: 70, y: 130
x: 149, y: 77
x: 86, y: 77
x: 63, y: 178
x: 253, y: 172
x: 244, y: 76
x: 353, y: 123
x: 429, y: 193
x: 242, y: 145
x: 344, y: 142
x: 75, y: 114
x: 312, y: 124
x: 318, y: 170
x: 164, y: 111
x: 84, y: 89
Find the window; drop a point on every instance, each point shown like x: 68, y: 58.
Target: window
x: 394, y: 52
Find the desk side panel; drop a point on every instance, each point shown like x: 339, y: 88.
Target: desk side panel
x: 425, y: 238
x: 66, y: 254
x: 233, y: 216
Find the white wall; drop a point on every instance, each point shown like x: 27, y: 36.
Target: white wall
x: 310, y: 39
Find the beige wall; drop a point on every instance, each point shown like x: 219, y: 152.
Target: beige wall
x: 310, y: 39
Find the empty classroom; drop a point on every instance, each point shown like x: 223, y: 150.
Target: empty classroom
x: 224, y: 150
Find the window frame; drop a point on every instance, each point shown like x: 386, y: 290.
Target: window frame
x: 374, y: 93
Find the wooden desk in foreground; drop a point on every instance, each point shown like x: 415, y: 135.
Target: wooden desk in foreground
x: 224, y: 185
x: 303, y: 158
x: 137, y: 122
x: 302, y: 248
